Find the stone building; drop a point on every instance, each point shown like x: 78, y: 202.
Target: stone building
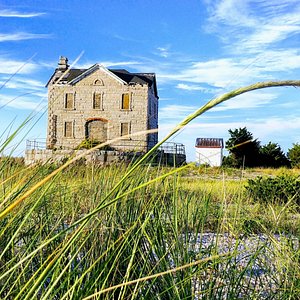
x: 209, y: 151
x: 101, y: 104
x: 98, y: 105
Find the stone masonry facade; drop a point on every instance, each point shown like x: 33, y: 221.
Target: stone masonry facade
x: 101, y: 104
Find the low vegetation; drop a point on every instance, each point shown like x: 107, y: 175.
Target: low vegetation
x: 245, y: 151
x: 151, y: 224
x: 143, y: 232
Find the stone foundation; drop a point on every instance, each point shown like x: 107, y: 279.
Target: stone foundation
x: 43, y: 156
x: 100, y: 157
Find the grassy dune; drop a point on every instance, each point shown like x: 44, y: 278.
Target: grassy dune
x: 151, y: 224
x: 143, y: 232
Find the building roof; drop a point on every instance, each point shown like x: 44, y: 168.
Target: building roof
x: 209, y: 143
x: 73, y: 75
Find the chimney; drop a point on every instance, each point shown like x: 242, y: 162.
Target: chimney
x: 63, y: 63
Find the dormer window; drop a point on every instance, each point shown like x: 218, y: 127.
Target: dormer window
x: 69, y: 100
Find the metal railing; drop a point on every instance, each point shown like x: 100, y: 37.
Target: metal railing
x: 35, y: 145
x: 167, y: 147
x: 173, y: 148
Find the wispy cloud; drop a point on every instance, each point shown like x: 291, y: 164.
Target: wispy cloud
x: 20, y: 36
x: 253, y: 25
x: 189, y: 87
x: 8, y: 13
x: 22, y: 84
x: 22, y: 102
x: 163, y: 51
x: 252, y: 99
x: 125, y: 38
x: 274, y: 129
x: 11, y: 66
x: 217, y: 73
x: 108, y: 64
x: 231, y: 72
x: 192, y: 87
x: 176, y: 112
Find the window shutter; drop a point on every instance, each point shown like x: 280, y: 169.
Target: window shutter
x: 124, y: 129
x: 68, y: 129
x: 69, y: 104
x: 97, y: 101
x: 125, y: 101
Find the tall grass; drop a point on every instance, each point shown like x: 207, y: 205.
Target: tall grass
x: 141, y: 232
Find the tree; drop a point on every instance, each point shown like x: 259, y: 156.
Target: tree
x: 243, y: 149
x: 294, y: 155
x: 271, y: 155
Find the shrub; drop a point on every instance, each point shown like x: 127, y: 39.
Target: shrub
x: 89, y: 143
x: 294, y: 155
x: 279, y: 189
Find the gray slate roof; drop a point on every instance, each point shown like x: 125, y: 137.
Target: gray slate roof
x: 130, y: 78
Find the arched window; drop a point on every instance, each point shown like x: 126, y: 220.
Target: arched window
x: 98, y: 82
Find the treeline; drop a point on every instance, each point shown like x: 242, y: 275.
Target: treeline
x: 245, y: 151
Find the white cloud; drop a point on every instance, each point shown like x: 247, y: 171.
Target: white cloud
x: 22, y: 83
x: 107, y: 64
x: 231, y: 72
x: 231, y: 12
x: 265, y: 128
x: 16, y: 14
x: 163, y: 51
x: 166, y: 99
x: 255, y: 31
x: 189, y: 87
x: 280, y: 60
x: 174, y: 111
x: 251, y: 26
x: 220, y: 73
x: 252, y: 99
x: 266, y: 35
x: 270, y: 129
x: 20, y: 36
x: 22, y: 102
x: 11, y: 66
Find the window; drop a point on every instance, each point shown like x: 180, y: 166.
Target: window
x: 125, y: 101
x: 98, y: 82
x: 125, y: 130
x: 68, y: 130
x: 69, y: 101
x: 97, y: 101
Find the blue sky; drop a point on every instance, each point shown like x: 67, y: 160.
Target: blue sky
x: 198, y: 50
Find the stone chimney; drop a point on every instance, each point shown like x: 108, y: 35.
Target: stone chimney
x: 63, y: 64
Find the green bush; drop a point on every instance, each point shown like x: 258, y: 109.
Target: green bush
x: 294, y: 155
x: 275, y: 189
x: 90, y: 143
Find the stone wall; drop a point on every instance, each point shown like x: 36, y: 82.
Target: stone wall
x: 100, y: 157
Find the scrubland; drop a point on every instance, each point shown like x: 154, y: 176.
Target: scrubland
x: 161, y: 232
x: 148, y: 232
